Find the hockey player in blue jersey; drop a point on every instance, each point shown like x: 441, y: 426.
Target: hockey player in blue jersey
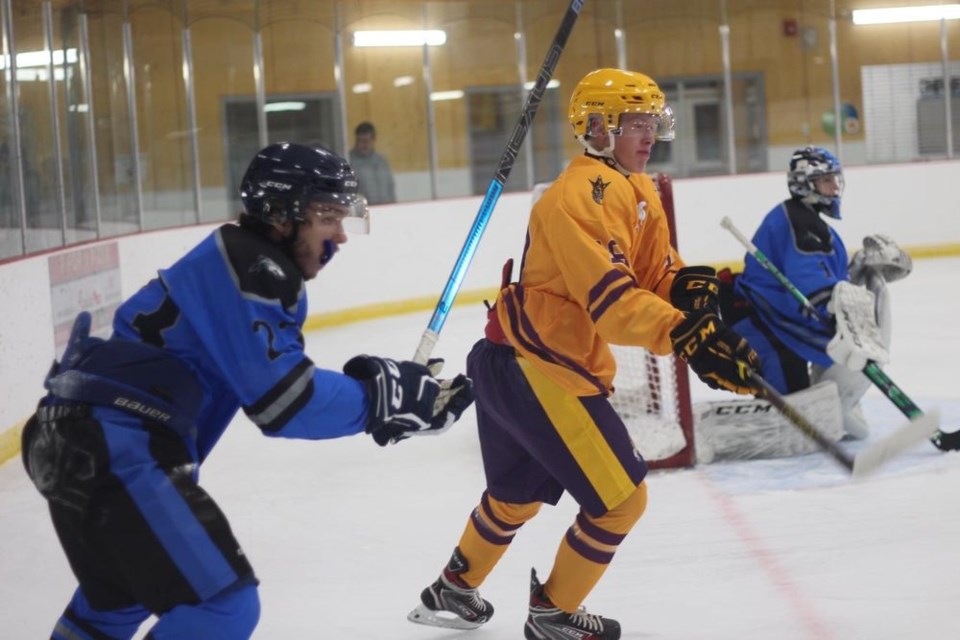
x: 797, y: 239
x: 116, y: 444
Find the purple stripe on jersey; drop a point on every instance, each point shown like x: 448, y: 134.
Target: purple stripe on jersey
x: 585, y: 550
x: 486, y: 532
x: 612, y: 297
x: 488, y: 511
x: 536, y: 346
x: 604, y: 283
x: 600, y: 535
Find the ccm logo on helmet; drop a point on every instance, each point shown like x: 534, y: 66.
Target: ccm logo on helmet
x: 282, y: 186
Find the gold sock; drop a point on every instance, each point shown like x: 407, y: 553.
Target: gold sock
x: 489, y: 531
x: 587, y: 549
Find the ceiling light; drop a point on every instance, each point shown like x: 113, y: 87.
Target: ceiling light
x: 437, y: 96
x: 552, y: 84
x: 399, y: 38
x: 362, y: 87
x: 40, y: 58
x: 893, y: 15
x: 284, y: 106
x: 403, y: 81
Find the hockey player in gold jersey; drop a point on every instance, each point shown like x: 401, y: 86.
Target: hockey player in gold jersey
x: 597, y: 269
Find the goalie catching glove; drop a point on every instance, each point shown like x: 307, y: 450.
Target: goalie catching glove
x: 719, y: 356
x: 407, y: 399
x: 881, y: 255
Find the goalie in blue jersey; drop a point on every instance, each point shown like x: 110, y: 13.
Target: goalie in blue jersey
x: 116, y: 444
x: 796, y: 348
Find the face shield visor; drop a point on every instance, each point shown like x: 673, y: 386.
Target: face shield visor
x: 352, y: 207
x: 661, y: 125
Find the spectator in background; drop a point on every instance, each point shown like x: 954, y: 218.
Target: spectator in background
x: 372, y: 169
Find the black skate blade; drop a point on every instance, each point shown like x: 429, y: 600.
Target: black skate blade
x: 442, y: 619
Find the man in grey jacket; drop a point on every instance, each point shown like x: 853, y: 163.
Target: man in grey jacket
x: 372, y: 169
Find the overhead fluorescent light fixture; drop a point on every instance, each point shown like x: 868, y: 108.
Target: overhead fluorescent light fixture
x: 895, y: 15
x: 552, y: 84
x: 396, y: 38
x: 403, y: 81
x: 284, y: 106
x: 40, y: 58
x: 438, y: 96
x: 362, y: 87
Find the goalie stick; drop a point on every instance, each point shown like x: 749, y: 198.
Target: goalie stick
x: 871, y: 457
x: 921, y: 425
x: 442, y: 310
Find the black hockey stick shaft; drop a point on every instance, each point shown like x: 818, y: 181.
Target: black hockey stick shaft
x: 432, y: 333
x: 872, y: 370
x: 806, y: 427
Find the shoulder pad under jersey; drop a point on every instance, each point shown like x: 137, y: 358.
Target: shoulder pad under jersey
x: 259, y: 268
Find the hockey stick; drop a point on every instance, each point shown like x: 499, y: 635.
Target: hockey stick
x: 830, y: 447
x: 432, y: 332
x: 870, y: 458
x: 872, y: 370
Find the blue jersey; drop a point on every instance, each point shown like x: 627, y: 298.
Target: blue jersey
x: 232, y: 310
x: 812, y: 256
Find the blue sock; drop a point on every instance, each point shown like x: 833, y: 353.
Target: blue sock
x: 230, y: 615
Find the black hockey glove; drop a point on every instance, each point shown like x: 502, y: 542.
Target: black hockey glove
x: 718, y: 355
x: 407, y: 399
x: 696, y: 290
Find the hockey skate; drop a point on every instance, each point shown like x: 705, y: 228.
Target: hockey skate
x: 449, y: 602
x: 547, y: 622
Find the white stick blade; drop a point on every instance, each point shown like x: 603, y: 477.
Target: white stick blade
x: 879, y: 453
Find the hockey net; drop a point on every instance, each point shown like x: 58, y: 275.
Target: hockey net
x: 652, y: 393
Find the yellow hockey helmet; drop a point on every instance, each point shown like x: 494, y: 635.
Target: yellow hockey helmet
x: 613, y: 92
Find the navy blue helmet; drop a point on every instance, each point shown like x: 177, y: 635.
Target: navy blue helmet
x: 284, y: 178
x: 806, y: 166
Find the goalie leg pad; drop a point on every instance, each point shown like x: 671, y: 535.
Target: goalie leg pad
x: 851, y: 386
x: 754, y: 429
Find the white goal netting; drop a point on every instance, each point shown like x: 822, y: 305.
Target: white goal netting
x: 647, y: 397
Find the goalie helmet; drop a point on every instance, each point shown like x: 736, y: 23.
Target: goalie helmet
x: 611, y: 93
x: 808, y: 165
x: 284, y: 178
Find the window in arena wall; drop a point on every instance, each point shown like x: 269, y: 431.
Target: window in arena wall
x: 700, y: 147
x: 491, y: 116
x: 304, y: 118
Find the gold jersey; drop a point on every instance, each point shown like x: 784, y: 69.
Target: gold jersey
x: 597, y: 268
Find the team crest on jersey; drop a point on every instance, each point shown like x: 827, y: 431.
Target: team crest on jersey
x: 263, y: 264
x: 599, y: 186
